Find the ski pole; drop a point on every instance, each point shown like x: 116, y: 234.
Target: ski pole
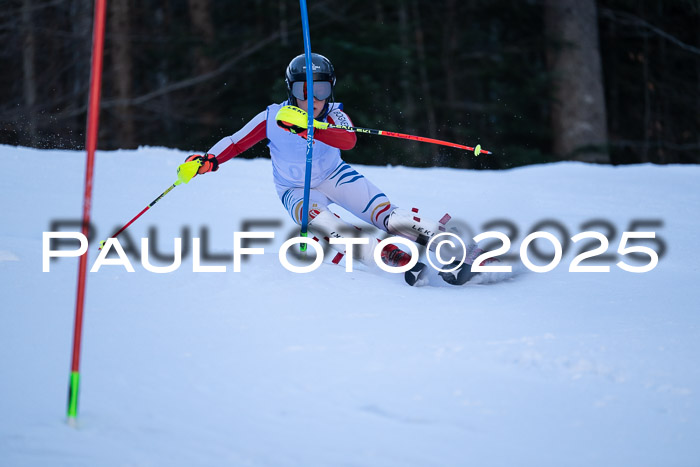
x: 185, y: 172
x: 293, y: 118
x: 476, y: 150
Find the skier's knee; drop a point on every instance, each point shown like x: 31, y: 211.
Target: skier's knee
x: 378, y: 210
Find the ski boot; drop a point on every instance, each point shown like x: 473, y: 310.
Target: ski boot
x: 464, y: 273
x: 396, y: 257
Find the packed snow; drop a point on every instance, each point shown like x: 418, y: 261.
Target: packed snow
x: 269, y: 367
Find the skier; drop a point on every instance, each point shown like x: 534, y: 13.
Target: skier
x: 332, y: 179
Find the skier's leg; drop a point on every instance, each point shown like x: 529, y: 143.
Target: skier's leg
x: 354, y: 192
x: 323, y: 223
x: 293, y: 201
x: 326, y: 225
x: 351, y: 190
x: 348, y: 188
x: 410, y: 225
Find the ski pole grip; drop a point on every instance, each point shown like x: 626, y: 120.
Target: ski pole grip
x: 292, y: 115
x: 187, y: 170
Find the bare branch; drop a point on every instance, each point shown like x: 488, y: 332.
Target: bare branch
x: 660, y: 144
x: 629, y: 19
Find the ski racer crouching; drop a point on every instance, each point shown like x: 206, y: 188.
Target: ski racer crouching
x: 332, y: 179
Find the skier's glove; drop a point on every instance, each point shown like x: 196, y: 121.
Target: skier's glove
x: 295, y: 120
x: 208, y: 162
x: 290, y: 127
x: 196, y: 164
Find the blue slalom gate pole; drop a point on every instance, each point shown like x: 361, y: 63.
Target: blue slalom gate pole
x: 310, y: 130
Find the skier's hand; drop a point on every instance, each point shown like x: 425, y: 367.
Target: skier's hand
x: 207, y: 163
x: 295, y: 120
x: 290, y: 127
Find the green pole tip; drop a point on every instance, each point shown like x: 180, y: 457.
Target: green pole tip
x: 73, y: 390
x: 303, y: 246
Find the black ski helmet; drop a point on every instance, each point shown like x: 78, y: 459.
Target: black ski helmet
x: 322, y: 71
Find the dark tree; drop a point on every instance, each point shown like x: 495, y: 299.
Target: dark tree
x: 578, y: 108
x: 534, y: 81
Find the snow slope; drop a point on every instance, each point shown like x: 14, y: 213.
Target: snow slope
x: 268, y: 367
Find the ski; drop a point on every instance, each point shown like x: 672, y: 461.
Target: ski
x: 459, y: 276
x: 416, y: 276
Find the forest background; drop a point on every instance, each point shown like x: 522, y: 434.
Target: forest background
x: 608, y: 81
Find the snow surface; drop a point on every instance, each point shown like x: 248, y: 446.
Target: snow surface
x: 268, y: 367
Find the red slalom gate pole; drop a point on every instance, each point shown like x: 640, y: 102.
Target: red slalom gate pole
x: 90, y: 145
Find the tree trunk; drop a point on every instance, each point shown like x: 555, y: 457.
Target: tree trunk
x: 697, y: 96
x: 166, y: 109
x: 80, y: 54
x: 29, y: 72
x: 405, y: 82
x: 578, y: 111
x: 203, y: 26
x: 284, y: 29
x: 122, y: 65
x: 614, y: 112
x: 450, y: 49
x: 647, y: 100
x: 423, y: 74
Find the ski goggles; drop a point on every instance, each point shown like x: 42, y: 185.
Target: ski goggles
x: 322, y: 90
